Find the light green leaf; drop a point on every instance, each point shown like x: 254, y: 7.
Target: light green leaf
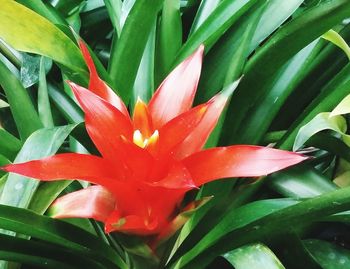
x: 44, y: 108
x: 226, y: 13
x: 205, y: 9
x: 337, y: 40
x: 37, y: 35
x: 328, y: 255
x: 342, y: 108
x: 25, y: 116
x: 127, y: 51
x: 19, y: 190
x: 169, y: 38
x: 322, y: 121
x: 255, y: 256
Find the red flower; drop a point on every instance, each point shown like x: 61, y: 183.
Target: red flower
x: 150, y: 161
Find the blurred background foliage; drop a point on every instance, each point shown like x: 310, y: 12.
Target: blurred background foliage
x: 291, y: 79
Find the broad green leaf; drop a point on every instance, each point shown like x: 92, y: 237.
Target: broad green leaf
x: 9, y: 144
x: 169, y: 38
x: 57, y: 232
x: 69, y: 109
x: 144, y: 82
x: 127, y: 52
x: 235, y: 219
x: 337, y: 40
x: 342, y: 108
x: 280, y: 86
x: 255, y: 256
x: 328, y: 255
x: 44, y: 10
x: 24, y: 114
x: 30, y: 69
x: 331, y: 95
x: 43, y: 255
x: 37, y: 35
x: 275, y: 14
x: 44, y: 108
x: 226, y: 14
x: 218, y: 59
x: 114, y: 8
x: 205, y: 9
x: 322, y: 121
x: 282, y: 219
x: 300, y: 182
x: 19, y: 190
x: 287, y: 41
x: 45, y: 194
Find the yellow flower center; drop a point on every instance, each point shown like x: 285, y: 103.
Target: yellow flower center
x: 142, y: 141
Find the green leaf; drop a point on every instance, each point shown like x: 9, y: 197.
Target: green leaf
x: 44, y: 108
x: 218, y: 59
x: 69, y: 109
x: 331, y: 95
x: 255, y: 256
x: 9, y: 144
x: 38, y: 35
x: 300, y: 182
x: 337, y: 40
x: 278, y: 89
x: 322, y: 121
x: 144, y: 82
x: 206, y: 7
x: 328, y: 255
x: 19, y: 190
x: 30, y: 69
x: 57, y: 232
x: 44, y: 10
x: 287, y: 41
x: 45, y: 194
x: 245, y: 226
x: 127, y: 51
x: 43, y: 255
x: 342, y: 108
x: 226, y: 14
x: 23, y: 111
x: 114, y: 8
x: 169, y: 38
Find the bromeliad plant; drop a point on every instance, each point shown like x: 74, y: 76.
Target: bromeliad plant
x: 131, y: 178
x: 148, y: 162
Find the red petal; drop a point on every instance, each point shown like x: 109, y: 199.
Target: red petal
x: 238, y: 161
x: 139, y: 161
x: 104, y: 123
x: 176, y: 130
x: 198, y: 137
x: 141, y: 119
x: 130, y: 224
x: 176, y: 93
x: 93, y: 202
x: 67, y: 166
x: 177, y: 178
x: 98, y: 86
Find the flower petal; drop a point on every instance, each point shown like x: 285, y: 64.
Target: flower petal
x: 177, y: 178
x: 238, y: 161
x: 176, y: 93
x: 130, y: 224
x: 67, y: 166
x: 142, y: 119
x: 176, y: 130
x: 178, y: 221
x: 98, y: 86
x: 93, y: 202
x: 104, y: 123
x: 196, y: 140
